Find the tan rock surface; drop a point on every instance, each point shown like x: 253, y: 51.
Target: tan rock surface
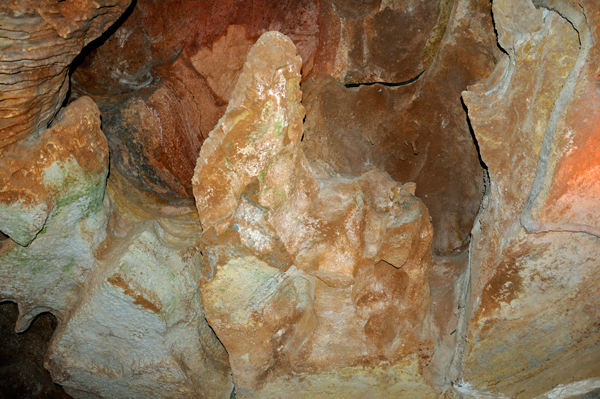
x: 52, y: 203
x: 162, y: 90
x: 357, y: 291
x: 181, y: 79
x: 417, y: 132
x: 534, y: 319
x: 122, y: 283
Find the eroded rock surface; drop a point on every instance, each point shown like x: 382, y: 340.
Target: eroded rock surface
x: 124, y: 288
x: 143, y: 304
x: 312, y: 263
x: 355, y: 290
x: 418, y: 132
x: 162, y: 90
x: 39, y: 41
x: 535, y: 298
x: 52, y: 206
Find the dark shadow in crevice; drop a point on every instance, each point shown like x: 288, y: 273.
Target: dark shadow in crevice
x: 496, y: 32
x: 483, y: 165
x: 94, y: 44
x: 3, y: 239
x: 22, y: 372
x: 404, y: 83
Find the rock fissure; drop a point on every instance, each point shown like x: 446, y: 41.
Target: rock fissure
x: 388, y: 84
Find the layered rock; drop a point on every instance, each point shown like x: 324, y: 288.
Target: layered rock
x: 535, y: 299
x: 40, y: 39
x: 353, y: 290
x: 163, y: 90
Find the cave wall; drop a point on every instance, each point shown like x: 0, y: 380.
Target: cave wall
x: 534, y: 286
x: 385, y: 199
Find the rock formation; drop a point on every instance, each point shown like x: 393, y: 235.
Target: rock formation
x: 77, y: 254
x: 234, y: 200
x: 417, y: 132
x: 40, y: 39
x: 535, y: 252
x: 359, y: 249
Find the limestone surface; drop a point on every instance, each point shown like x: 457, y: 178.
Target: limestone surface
x: 416, y: 132
x: 53, y: 209
x: 123, y: 288
x: 141, y: 322
x: 534, y: 262
x: 39, y: 39
x: 310, y: 266
x: 355, y: 289
x: 162, y: 90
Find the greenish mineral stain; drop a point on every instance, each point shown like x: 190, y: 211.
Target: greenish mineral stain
x: 261, y: 175
x: 279, y: 128
x: 68, y: 267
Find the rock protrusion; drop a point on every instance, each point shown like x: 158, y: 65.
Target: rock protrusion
x: 351, y: 283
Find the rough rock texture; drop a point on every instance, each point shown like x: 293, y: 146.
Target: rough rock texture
x: 380, y: 41
x: 22, y: 373
x: 312, y: 260
x: 418, y: 132
x: 162, y: 90
x: 39, y: 39
x: 359, y: 251
x: 143, y: 304
x: 51, y: 205
x: 124, y: 288
x: 535, y: 299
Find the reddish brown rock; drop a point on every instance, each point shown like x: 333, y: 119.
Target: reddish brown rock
x: 196, y: 66
x: 381, y: 41
x: 163, y: 90
x: 418, y: 132
x: 39, y: 41
x: 33, y: 173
